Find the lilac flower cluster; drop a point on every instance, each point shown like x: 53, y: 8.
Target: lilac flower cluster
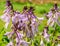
x: 53, y: 16
x: 25, y: 22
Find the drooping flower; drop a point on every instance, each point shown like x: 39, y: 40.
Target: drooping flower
x: 24, y: 43
x: 6, y: 16
x: 49, y: 14
x: 10, y: 44
x: 19, y: 35
x: 6, y: 19
x: 45, y: 34
x: 9, y: 34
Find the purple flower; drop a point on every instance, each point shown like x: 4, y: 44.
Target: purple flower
x: 21, y: 42
x: 6, y: 19
x: 46, y: 35
x: 50, y: 22
x: 19, y: 35
x: 49, y: 14
x: 10, y: 44
x: 57, y: 20
x: 9, y: 34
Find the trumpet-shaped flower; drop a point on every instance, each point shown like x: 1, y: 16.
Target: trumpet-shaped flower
x: 10, y: 43
x: 46, y: 35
